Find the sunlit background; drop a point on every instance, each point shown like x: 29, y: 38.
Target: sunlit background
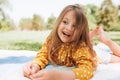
x: 25, y: 24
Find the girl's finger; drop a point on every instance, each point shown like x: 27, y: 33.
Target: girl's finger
x: 26, y: 72
x: 37, y: 75
x: 33, y: 70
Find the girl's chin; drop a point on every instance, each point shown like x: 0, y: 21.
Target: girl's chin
x: 65, y: 41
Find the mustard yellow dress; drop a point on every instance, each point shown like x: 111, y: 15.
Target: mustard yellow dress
x: 81, y: 57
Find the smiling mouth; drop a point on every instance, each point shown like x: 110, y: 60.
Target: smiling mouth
x: 66, y: 34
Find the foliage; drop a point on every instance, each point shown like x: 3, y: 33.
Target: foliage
x: 25, y: 24
x: 6, y: 25
x: 36, y: 23
x: 91, y: 13
x: 3, y: 3
x: 107, y: 15
x: 50, y: 22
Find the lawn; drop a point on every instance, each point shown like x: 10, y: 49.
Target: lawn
x: 22, y: 40
x: 32, y: 40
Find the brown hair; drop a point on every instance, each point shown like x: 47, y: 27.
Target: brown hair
x: 53, y: 39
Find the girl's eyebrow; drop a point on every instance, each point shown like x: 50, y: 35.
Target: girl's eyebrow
x: 65, y: 18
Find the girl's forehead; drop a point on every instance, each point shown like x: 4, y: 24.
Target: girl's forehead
x: 70, y: 14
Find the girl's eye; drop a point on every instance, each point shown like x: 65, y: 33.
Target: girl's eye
x: 65, y: 22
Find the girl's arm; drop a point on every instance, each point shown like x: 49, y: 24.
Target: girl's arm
x: 38, y: 63
x: 41, y: 58
x: 84, y: 64
x: 52, y: 74
x: 84, y: 70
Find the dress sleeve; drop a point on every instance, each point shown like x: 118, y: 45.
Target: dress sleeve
x: 42, y: 57
x: 84, y: 64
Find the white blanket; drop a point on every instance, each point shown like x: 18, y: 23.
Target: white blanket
x: 11, y: 63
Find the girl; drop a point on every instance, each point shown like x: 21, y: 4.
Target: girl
x: 67, y: 45
x: 107, y: 50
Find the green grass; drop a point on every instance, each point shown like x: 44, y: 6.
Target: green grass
x: 23, y: 45
x: 22, y: 40
x: 32, y: 40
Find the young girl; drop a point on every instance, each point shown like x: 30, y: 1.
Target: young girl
x: 67, y: 45
x: 107, y: 50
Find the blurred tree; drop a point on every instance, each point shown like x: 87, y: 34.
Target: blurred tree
x: 3, y: 3
x: 37, y: 23
x: 119, y: 12
x: 50, y: 22
x: 2, y: 15
x: 5, y: 22
x: 92, y: 11
x: 6, y: 25
x: 25, y: 24
x: 107, y: 15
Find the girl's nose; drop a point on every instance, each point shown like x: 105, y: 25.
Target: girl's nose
x: 69, y: 27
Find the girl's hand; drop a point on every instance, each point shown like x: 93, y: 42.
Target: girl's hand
x: 45, y: 74
x: 30, y: 68
x: 50, y: 74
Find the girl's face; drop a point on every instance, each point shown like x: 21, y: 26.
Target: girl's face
x: 68, y: 30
